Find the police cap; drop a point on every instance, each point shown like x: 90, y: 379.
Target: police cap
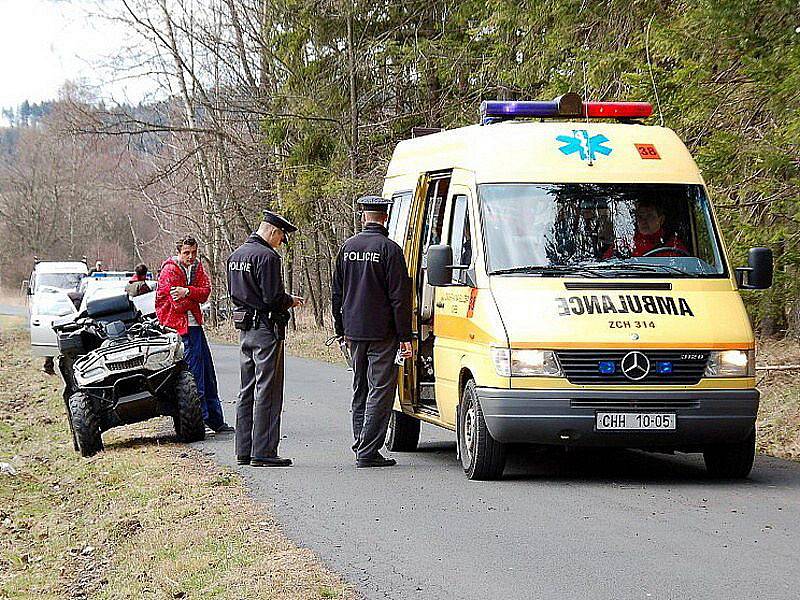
x: 279, y: 222
x: 375, y: 204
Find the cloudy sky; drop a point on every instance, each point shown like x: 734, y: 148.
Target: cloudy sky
x: 44, y: 43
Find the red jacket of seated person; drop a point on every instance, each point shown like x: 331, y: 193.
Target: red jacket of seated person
x: 644, y: 243
x: 173, y: 313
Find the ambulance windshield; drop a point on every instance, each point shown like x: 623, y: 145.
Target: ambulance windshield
x: 596, y: 230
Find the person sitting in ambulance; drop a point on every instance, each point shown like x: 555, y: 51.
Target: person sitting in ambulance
x: 650, y: 238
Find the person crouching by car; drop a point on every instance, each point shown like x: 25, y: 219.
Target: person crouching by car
x: 137, y: 285
x: 182, y: 287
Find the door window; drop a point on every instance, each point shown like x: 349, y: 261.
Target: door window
x: 434, y: 221
x: 398, y: 216
x: 461, y: 237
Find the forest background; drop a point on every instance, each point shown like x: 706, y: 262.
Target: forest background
x: 296, y: 106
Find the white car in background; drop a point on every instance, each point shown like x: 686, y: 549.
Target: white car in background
x: 47, y: 305
x: 62, y: 275
x: 48, y: 291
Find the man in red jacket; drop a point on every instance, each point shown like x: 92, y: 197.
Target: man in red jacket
x: 649, y: 236
x: 182, y: 287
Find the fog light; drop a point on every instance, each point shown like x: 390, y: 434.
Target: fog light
x: 606, y: 367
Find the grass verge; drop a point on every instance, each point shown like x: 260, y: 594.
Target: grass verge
x: 148, y: 518
x: 306, y: 340
x: 779, y: 414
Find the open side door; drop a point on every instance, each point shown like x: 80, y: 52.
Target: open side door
x: 408, y: 372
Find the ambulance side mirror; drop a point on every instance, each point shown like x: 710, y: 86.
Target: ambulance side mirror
x: 440, y: 265
x: 757, y: 275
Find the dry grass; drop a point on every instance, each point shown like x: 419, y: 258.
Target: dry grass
x: 12, y: 298
x: 12, y: 323
x: 147, y: 518
x: 779, y: 416
x: 306, y: 340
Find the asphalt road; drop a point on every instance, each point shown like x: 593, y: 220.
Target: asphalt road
x: 600, y: 525
x: 8, y: 309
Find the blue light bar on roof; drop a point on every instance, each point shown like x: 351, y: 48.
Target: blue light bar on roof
x: 568, y: 105
x: 521, y: 108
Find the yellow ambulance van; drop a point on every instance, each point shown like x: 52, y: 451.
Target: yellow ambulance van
x: 571, y: 287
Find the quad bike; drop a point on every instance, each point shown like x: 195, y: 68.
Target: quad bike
x: 120, y: 368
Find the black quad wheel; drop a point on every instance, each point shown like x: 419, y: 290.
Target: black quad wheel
x: 85, y: 424
x: 188, y: 420
x: 403, y: 432
x: 482, y: 457
x: 731, y: 461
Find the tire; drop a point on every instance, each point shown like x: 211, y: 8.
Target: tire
x: 188, y: 420
x: 403, y: 432
x: 482, y: 457
x: 85, y: 424
x: 72, y: 430
x: 731, y: 461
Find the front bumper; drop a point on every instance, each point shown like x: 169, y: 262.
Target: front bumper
x: 567, y: 417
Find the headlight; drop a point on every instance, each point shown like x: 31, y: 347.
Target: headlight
x: 156, y: 360
x: 90, y: 375
x: 731, y: 363
x: 525, y: 363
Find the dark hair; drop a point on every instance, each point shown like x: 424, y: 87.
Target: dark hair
x: 140, y: 269
x: 186, y: 240
x: 655, y: 205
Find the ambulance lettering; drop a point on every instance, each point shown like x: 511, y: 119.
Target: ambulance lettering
x: 623, y: 304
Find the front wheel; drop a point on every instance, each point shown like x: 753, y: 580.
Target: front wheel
x: 188, y: 419
x: 85, y: 424
x: 731, y: 461
x: 403, y: 433
x: 482, y: 457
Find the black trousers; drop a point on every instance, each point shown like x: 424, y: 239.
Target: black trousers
x: 258, y: 412
x: 374, y: 386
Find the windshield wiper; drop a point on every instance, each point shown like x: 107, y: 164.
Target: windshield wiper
x: 638, y: 267
x: 554, y: 270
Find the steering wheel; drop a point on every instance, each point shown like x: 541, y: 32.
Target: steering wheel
x: 661, y: 249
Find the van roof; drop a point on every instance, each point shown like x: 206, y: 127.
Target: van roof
x: 55, y: 266
x: 552, y: 151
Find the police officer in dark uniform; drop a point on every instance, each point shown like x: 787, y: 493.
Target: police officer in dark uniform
x: 255, y: 285
x: 372, y: 311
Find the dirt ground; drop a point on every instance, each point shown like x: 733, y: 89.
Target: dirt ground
x: 779, y: 414
x: 148, y: 518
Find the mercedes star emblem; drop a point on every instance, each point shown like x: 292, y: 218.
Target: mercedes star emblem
x: 635, y: 365
x: 634, y: 336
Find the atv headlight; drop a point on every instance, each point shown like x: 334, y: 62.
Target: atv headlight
x: 525, y: 363
x: 159, y: 359
x: 90, y: 375
x: 731, y: 363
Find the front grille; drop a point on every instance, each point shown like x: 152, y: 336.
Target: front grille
x: 600, y: 404
x: 583, y: 367
x: 124, y: 365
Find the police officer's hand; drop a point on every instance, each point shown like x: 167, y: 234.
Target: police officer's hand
x: 298, y: 301
x: 406, y: 350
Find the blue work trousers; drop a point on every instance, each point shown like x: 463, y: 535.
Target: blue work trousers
x: 198, y: 356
